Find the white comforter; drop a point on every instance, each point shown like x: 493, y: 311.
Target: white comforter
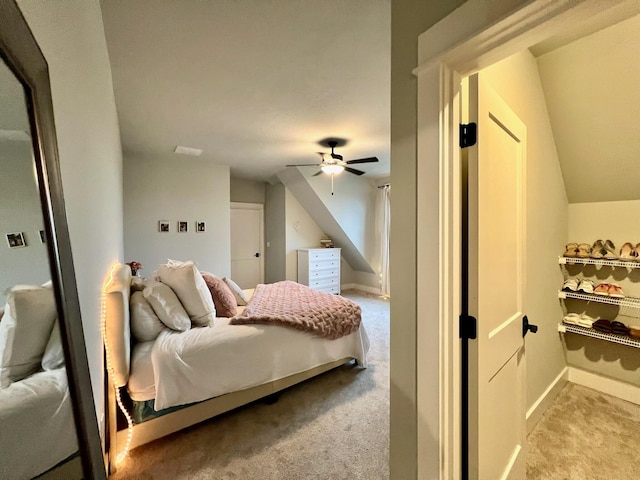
x: 202, y: 363
x: 36, y: 425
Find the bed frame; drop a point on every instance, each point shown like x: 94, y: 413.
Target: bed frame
x: 117, y: 347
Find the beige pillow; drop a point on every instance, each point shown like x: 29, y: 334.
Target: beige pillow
x: 167, y: 306
x: 187, y: 282
x: 145, y: 324
x: 223, y: 298
x: 25, y: 330
x: 53, y: 357
x: 241, y: 298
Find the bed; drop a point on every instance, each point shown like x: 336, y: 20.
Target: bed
x: 184, y: 377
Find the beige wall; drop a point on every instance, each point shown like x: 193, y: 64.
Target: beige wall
x: 589, y: 222
x: 188, y: 189
x: 247, y: 191
x: 517, y: 81
x: 71, y: 36
x: 409, y: 18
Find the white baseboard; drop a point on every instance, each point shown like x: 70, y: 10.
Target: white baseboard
x: 357, y: 286
x: 534, y: 414
x: 615, y: 388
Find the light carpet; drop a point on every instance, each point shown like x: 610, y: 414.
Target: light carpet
x: 585, y: 435
x: 334, y: 426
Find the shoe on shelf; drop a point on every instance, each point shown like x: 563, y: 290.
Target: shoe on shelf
x: 585, y: 320
x: 571, y: 250
x: 634, y: 331
x: 571, y: 284
x: 572, y: 318
x: 628, y: 253
x: 597, y: 250
x: 636, y: 249
x: 615, y: 291
x: 603, y: 326
x: 609, y: 251
x: 584, y: 250
x: 619, y: 328
x: 586, y: 285
x: 602, y: 289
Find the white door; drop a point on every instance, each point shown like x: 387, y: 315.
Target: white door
x: 247, y: 262
x: 497, y: 221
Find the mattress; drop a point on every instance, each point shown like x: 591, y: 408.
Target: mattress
x: 38, y: 430
x: 186, y: 367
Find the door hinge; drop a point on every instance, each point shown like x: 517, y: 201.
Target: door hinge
x: 468, y: 135
x: 468, y: 328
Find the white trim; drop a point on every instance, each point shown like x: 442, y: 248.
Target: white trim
x: 363, y: 288
x: 474, y: 36
x: 260, y: 207
x: 615, y: 388
x: 535, y: 412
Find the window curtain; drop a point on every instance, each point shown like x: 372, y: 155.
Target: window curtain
x: 383, y: 229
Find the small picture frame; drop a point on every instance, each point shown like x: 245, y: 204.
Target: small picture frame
x: 43, y: 238
x: 163, y: 226
x: 16, y: 240
x: 200, y: 226
x: 183, y: 227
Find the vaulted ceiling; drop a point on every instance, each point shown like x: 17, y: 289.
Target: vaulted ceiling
x: 255, y: 84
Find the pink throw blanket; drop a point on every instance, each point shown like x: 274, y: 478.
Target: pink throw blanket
x: 290, y: 304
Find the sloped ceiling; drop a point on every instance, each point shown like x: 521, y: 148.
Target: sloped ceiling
x: 255, y: 84
x: 592, y: 90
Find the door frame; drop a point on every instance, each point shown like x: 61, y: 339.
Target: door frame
x: 476, y: 35
x: 254, y: 206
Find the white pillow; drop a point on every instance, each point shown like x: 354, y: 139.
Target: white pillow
x: 53, y: 357
x: 187, y: 282
x: 241, y: 298
x: 166, y: 306
x: 24, y: 331
x: 145, y: 324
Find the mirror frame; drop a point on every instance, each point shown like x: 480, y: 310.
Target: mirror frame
x: 21, y: 53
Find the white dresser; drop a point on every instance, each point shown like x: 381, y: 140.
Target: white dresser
x: 319, y: 268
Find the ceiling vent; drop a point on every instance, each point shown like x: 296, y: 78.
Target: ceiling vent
x: 196, y: 152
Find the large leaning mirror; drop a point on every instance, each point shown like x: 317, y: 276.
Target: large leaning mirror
x: 48, y: 426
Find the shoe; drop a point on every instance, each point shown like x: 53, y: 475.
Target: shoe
x: 602, y: 289
x: 603, y: 326
x: 572, y: 318
x: 628, y: 253
x: 634, y: 331
x: 586, y: 286
x: 615, y: 291
x: 585, y: 320
x: 584, y: 250
x: 636, y: 249
x: 571, y: 284
x: 619, y: 328
x: 609, y: 251
x: 597, y: 250
x: 571, y: 250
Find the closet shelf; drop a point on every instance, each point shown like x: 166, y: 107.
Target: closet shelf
x: 590, y: 332
x: 623, y: 302
x: 595, y: 261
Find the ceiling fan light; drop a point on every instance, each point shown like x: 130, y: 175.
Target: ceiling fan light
x: 332, y: 169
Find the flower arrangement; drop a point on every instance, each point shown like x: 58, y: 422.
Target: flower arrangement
x: 134, y: 266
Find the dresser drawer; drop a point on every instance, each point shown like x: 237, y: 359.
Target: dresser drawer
x: 324, y: 254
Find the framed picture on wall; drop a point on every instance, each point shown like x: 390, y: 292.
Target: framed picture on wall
x: 16, y: 240
x: 183, y: 227
x: 200, y: 226
x: 163, y: 225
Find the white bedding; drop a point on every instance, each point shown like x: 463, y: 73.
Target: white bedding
x: 202, y: 363
x: 38, y: 429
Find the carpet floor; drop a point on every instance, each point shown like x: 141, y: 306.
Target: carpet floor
x: 585, y: 435
x: 334, y: 426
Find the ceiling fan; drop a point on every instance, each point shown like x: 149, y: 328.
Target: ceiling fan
x: 333, y: 163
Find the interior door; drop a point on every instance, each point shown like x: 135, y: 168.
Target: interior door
x: 496, y: 256
x: 247, y: 262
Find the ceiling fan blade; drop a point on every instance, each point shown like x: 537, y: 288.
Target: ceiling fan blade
x: 319, y: 172
x: 353, y: 170
x: 363, y: 160
x: 305, y: 165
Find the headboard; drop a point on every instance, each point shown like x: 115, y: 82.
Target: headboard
x: 117, y: 329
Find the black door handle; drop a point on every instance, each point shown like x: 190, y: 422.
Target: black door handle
x: 528, y: 327
x: 257, y: 254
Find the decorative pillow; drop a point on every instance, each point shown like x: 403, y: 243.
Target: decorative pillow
x: 53, y: 357
x: 223, y: 298
x: 187, y: 282
x: 166, y: 306
x: 145, y: 324
x: 24, y: 331
x: 241, y: 298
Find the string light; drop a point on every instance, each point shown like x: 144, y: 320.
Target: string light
x: 122, y: 455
